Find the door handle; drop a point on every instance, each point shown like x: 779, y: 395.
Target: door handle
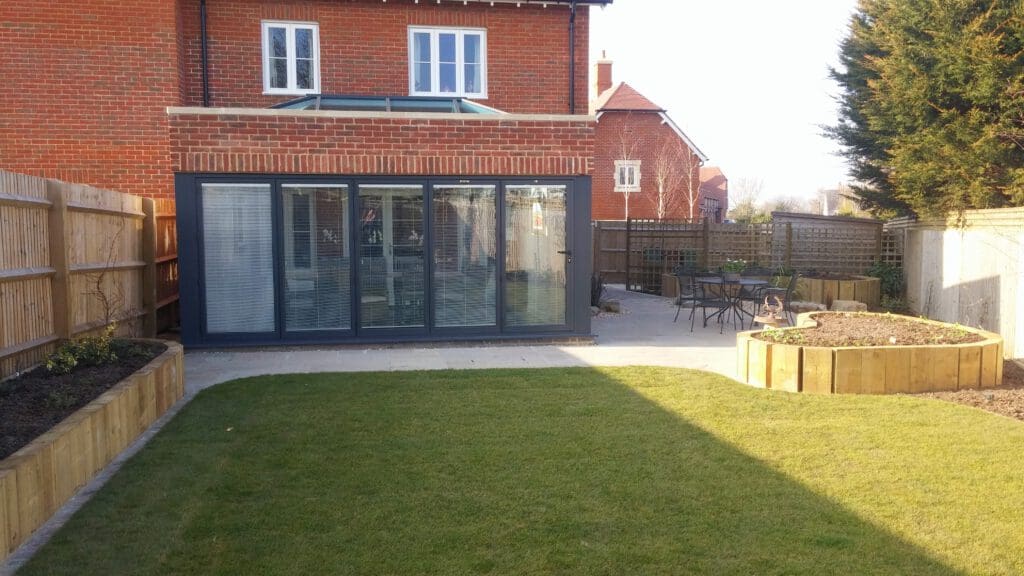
x: 568, y: 255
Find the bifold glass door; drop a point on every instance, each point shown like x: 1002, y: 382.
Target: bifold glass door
x: 300, y: 259
x: 238, y: 258
x: 465, y: 254
x: 536, y: 255
x: 392, y: 269
x: 317, y: 260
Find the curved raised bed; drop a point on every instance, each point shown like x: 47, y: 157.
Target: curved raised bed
x: 38, y: 479
x: 825, y: 290
x: 869, y: 369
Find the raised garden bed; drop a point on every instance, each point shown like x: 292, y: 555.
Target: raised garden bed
x: 825, y: 288
x: 120, y: 402
x: 866, y: 353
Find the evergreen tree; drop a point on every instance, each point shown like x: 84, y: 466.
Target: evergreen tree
x: 932, y: 104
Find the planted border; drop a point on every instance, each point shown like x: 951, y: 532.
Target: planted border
x: 864, y: 289
x: 39, y: 478
x: 869, y: 369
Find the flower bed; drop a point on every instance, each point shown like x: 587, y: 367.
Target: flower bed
x: 40, y: 477
x: 826, y: 288
x: 787, y: 360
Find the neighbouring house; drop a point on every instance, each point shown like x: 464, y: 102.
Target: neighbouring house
x: 841, y: 201
x: 645, y: 166
x: 714, y: 194
x: 357, y: 170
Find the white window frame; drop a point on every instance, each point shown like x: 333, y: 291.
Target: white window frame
x: 290, y: 28
x: 460, y: 62
x: 622, y: 168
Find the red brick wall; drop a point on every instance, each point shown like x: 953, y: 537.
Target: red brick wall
x: 340, y: 144
x: 364, y: 49
x: 639, y: 136
x: 84, y: 89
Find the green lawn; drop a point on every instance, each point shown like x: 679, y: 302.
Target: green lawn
x: 569, y: 471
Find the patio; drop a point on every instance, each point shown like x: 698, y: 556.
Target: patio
x: 643, y: 334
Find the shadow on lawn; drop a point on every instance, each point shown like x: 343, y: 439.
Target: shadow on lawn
x: 505, y: 472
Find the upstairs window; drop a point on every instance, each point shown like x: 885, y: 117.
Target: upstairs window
x: 447, y: 62
x: 627, y: 175
x: 291, y: 58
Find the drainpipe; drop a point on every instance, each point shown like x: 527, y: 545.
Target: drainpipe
x: 205, y: 53
x: 572, y: 57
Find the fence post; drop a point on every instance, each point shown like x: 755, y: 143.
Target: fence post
x: 706, y: 241
x: 878, y: 242
x: 629, y: 225
x: 60, y: 288
x: 149, y: 296
x: 788, y: 258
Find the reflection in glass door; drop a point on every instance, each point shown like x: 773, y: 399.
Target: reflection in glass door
x: 464, y: 255
x: 317, y: 288
x: 391, y: 256
x: 535, y: 255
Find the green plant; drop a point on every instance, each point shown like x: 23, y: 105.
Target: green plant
x: 893, y: 305
x: 60, y: 399
x: 596, y: 289
x: 782, y: 336
x: 891, y: 277
x: 734, y: 265
x: 88, y: 351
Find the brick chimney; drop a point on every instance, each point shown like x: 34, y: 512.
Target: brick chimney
x: 603, y: 74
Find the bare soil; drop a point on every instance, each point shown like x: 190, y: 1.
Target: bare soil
x: 1007, y: 400
x: 853, y: 329
x: 36, y: 401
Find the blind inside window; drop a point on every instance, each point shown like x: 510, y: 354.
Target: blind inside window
x: 535, y: 270
x: 465, y: 252
x: 317, y: 284
x: 238, y: 258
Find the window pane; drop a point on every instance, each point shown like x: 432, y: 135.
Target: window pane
x: 303, y: 43
x: 421, y: 47
x: 472, y: 78
x: 238, y: 258
x: 317, y: 289
x: 465, y: 252
x: 471, y: 49
x: 391, y: 256
x: 447, y: 73
x: 446, y: 47
x: 535, y: 268
x: 278, y: 73
x: 422, y: 77
x: 304, y: 74
x: 278, y: 43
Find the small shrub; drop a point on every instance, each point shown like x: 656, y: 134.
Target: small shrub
x: 891, y: 277
x: 60, y: 399
x: 89, y: 351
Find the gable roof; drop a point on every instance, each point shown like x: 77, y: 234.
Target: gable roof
x: 623, y: 97
x: 713, y: 180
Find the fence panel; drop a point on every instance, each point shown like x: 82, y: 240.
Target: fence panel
x: 639, y: 252
x: 73, y: 259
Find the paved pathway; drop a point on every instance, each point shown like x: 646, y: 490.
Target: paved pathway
x: 643, y: 334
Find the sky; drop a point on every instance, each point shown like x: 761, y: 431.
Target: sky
x: 747, y: 80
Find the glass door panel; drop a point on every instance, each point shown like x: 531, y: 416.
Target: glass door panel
x: 391, y: 256
x: 238, y: 258
x: 317, y: 287
x: 465, y: 255
x: 535, y: 255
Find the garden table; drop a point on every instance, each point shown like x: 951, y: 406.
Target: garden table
x: 732, y: 292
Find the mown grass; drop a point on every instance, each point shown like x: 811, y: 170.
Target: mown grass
x: 564, y: 471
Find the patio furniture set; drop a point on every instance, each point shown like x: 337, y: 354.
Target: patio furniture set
x: 721, y: 296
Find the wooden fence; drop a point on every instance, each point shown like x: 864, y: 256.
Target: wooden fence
x: 648, y: 248
x: 74, y: 258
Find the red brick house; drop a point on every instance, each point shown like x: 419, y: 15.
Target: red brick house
x: 343, y: 169
x: 714, y: 193
x: 645, y: 166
